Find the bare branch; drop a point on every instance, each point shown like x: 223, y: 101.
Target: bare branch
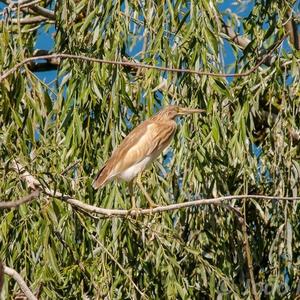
x: 32, y: 182
x: 139, y: 65
x: 33, y: 8
x: 70, y: 167
x: 30, y: 20
x: 243, y: 42
x: 27, y: 199
x: 24, y: 287
x: 159, y: 209
x: 292, y: 29
x: 47, y: 13
x: 24, y: 175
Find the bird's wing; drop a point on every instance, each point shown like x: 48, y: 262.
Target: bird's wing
x: 145, y: 140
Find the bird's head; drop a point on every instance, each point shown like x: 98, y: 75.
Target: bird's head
x: 172, y: 111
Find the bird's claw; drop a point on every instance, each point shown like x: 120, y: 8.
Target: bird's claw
x: 153, y: 205
x: 134, y: 211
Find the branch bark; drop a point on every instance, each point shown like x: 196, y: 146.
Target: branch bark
x: 32, y: 182
x: 33, y: 8
x: 26, y: 199
x: 239, y: 40
x: 24, y: 287
x: 292, y: 29
x: 138, y: 65
x: 47, y: 13
x: 30, y: 20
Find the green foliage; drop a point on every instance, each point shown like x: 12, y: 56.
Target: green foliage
x: 84, y: 114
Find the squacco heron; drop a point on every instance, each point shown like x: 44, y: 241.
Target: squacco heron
x: 139, y: 148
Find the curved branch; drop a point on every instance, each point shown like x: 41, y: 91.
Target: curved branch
x: 148, y: 211
x: 24, y: 287
x: 33, y: 8
x: 26, y: 176
x: 139, y: 65
x: 27, y: 199
x: 34, y: 183
x: 239, y: 40
x: 242, y: 41
x: 47, y: 13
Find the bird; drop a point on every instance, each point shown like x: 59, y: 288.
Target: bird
x: 140, y: 148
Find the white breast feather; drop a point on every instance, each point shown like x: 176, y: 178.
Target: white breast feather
x: 134, y: 170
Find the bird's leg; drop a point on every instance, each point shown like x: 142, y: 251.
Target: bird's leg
x: 132, y: 195
x: 133, y: 211
x: 139, y: 182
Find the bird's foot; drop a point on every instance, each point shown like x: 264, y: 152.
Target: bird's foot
x: 134, y: 211
x: 152, y: 205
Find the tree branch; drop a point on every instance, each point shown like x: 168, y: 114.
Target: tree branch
x: 24, y: 175
x: 30, y: 20
x: 24, y: 287
x: 148, y: 211
x: 27, y: 199
x: 32, y: 182
x: 243, y: 42
x: 33, y: 8
x: 47, y: 13
x: 292, y: 29
x: 139, y: 65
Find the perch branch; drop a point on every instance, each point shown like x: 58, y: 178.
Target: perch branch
x: 171, y: 207
x: 34, y: 183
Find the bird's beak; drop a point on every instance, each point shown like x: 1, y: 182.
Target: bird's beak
x: 187, y: 111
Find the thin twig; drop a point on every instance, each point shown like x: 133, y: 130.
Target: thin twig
x: 33, y: 8
x: 26, y: 199
x: 30, y: 20
x: 24, y: 287
x: 139, y: 65
x: 70, y: 167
